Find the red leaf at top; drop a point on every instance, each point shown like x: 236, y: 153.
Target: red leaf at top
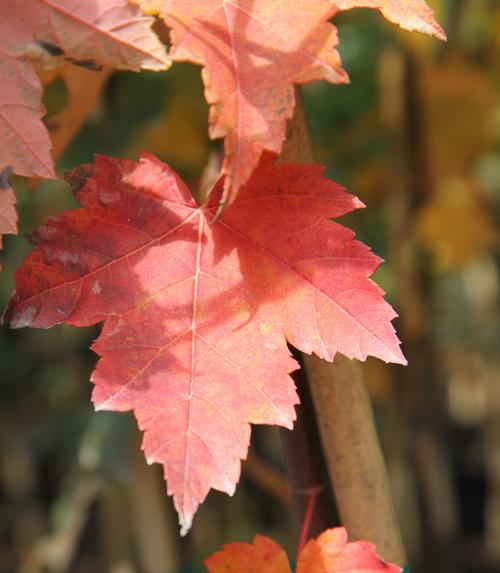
x: 196, y: 314
x: 413, y: 15
x: 329, y: 553
x: 92, y: 33
x: 8, y: 214
x: 253, y: 51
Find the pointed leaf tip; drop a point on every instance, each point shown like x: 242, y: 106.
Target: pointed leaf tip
x: 412, y: 15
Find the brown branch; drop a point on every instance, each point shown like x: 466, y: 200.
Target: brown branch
x: 153, y: 518
x: 267, y: 478
x: 344, y: 416
x: 306, y: 466
x: 355, y: 460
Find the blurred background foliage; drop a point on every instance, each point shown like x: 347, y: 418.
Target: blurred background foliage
x: 417, y: 137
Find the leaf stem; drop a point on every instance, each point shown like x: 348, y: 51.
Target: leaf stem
x: 311, y: 505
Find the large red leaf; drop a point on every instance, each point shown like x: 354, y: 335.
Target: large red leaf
x: 414, y: 15
x: 92, y: 33
x: 196, y: 314
x: 329, y: 553
x: 8, y: 214
x: 253, y: 51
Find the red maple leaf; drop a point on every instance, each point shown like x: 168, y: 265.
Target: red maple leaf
x: 197, y: 315
x: 252, y: 52
x: 329, y: 553
x: 413, y: 15
x: 101, y: 32
x: 8, y: 214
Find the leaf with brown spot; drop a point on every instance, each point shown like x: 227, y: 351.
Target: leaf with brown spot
x: 197, y: 315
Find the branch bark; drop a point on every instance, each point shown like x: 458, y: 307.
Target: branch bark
x: 306, y: 465
x: 345, y: 420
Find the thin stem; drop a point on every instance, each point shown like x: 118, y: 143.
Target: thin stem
x: 305, y: 464
x: 311, y: 505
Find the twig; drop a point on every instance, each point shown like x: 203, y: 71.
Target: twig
x: 304, y: 534
x: 267, y: 478
x: 306, y: 466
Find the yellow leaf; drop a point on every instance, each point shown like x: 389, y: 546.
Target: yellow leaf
x: 149, y: 7
x: 457, y: 116
x: 179, y: 137
x: 455, y: 225
x: 84, y: 89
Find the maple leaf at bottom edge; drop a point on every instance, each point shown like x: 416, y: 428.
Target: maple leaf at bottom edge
x: 197, y: 315
x: 328, y: 553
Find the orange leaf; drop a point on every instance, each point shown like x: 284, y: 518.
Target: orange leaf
x: 329, y: 553
x: 264, y: 556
